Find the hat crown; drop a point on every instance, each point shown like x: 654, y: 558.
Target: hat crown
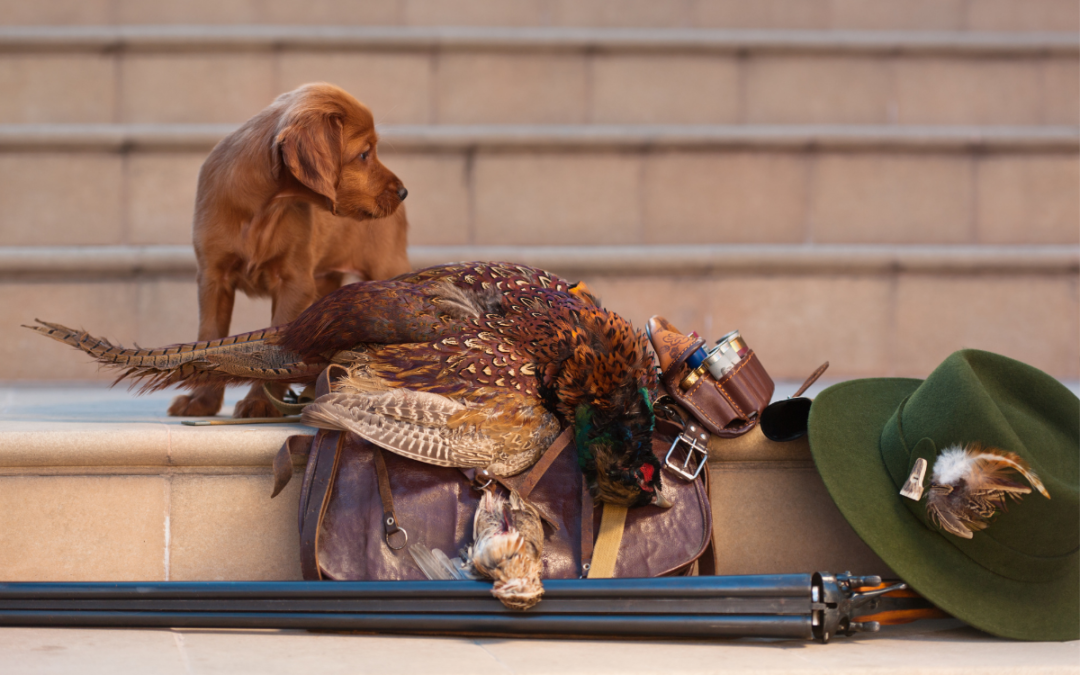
x: 977, y: 397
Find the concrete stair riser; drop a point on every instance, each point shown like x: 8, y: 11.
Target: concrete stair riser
x: 900, y: 82
x: 178, y: 526
x: 999, y: 15
x: 633, y: 195
x: 119, y: 527
x: 866, y: 324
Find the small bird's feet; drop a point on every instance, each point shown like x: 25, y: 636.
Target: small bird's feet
x: 203, y: 402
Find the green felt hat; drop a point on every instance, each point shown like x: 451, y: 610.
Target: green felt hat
x: 1016, y: 578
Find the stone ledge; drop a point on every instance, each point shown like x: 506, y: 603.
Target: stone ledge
x: 121, y: 446
x: 93, y: 430
x: 263, y: 38
x: 447, y: 137
x: 681, y: 260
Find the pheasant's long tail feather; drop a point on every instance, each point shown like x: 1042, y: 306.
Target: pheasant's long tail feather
x: 232, y: 360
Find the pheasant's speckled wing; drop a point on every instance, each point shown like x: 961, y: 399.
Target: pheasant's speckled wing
x: 505, y: 434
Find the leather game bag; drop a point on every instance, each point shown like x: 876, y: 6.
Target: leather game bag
x: 361, y: 507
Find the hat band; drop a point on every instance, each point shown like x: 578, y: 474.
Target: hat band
x: 1008, y: 562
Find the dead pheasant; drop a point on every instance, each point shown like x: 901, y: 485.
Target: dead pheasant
x: 468, y: 364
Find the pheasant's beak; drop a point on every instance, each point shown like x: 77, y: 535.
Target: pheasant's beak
x: 663, y: 502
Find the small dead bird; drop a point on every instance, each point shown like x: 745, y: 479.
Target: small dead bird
x: 508, y: 540
x: 970, y: 483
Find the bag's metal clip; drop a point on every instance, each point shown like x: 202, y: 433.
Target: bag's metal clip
x: 696, y: 440
x: 391, y: 528
x: 485, y: 476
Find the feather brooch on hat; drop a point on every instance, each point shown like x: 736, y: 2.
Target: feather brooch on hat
x: 970, y: 483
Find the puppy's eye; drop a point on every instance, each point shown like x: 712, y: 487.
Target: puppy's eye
x: 364, y: 156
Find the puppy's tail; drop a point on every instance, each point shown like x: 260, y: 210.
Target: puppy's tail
x: 232, y: 360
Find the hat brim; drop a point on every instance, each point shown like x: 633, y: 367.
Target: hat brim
x: 845, y: 427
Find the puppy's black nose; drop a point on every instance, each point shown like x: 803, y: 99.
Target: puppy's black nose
x: 402, y: 193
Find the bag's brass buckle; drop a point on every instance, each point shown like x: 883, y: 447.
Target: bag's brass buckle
x: 696, y: 441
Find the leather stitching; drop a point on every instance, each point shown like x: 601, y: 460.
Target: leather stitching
x: 687, y: 397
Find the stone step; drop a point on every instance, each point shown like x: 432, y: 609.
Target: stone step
x: 97, y: 485
x: 984, y: 15
x: 869, y: 310
x: 615, y: 184
x: 445, y: 75
x: 943, y: 646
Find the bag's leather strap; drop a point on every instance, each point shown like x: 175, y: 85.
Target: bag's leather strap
x: 294, y: 449
x: 390, y: 522
x: 298, y: 447
x: 322, y: 483
x: 672, y: 425
x: 812, y: 379
x: 586, y: 529
x: 324, y: 383
x: 303, y: 399
x: 608, y: 541
x: 707, y: 561
x: 525, y: 487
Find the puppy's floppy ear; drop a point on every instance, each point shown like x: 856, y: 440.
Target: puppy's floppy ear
x: 310, y: 146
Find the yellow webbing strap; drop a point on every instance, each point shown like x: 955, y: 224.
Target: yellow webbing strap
x: 608, y: 541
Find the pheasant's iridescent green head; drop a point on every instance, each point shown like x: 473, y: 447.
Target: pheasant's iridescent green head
x: 615, y: 453
x: 601, y: 383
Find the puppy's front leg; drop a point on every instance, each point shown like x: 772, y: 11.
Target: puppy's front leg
x: 215, y: 313
x: 291, y: 299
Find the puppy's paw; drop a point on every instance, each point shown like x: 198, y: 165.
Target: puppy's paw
x: 255, y: 406
x: 199, y: 404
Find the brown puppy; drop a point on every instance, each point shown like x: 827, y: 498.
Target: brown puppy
x: 286, y: 205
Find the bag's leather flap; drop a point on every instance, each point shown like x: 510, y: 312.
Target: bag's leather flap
x: 671, y: 346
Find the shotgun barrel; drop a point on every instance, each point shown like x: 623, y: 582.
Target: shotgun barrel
x: 783, y: 606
